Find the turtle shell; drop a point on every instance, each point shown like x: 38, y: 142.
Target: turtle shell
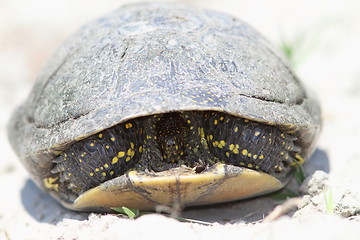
x: 154, y: 58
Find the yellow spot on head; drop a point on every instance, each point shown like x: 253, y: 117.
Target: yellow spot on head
x: 111, y: 173
x: 231, y: 147
x: 121, y: 154
x: 91, y: 174
x: 255, y: 156
x: 97, y: 169
x: 249, y: 154
x: 236, y: 151
x: 114, y: 160
x: 92, y: 144
x: 132, y: 145
x: 257, y: 133
x: 242, y: 164
x: 221, y: 118
x: 107, y: 146
x: 246, y: 120
x: 261, y: 157
x: 188, y: 121
x: 128, y: 159
x: 140, y: 149
x: 100, y: 135
x: 227, y: 154
x: 103, y: 173
x: 250, y: 165
x: 128, y: 125
x: 216, y: 122
x: 106, y: 165
x: 80, y: 160
x: 112, y: 139
x: 236, y: 129
x: 222, y: 142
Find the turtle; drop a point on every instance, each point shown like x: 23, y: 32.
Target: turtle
x: 164, y: 104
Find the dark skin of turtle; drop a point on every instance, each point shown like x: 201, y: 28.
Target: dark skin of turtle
x: 162, y: 103
x: 162, y: 142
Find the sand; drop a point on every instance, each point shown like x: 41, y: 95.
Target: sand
x: 324, y: 36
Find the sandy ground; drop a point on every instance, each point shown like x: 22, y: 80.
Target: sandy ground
x: 325, y: 36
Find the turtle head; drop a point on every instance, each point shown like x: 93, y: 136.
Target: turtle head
x: 172, y: 132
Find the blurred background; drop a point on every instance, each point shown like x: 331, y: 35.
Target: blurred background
x: 321, y: 38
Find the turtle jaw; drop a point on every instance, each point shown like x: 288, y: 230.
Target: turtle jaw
x: 176, y: 187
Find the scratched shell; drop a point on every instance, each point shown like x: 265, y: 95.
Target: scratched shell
x: 169, y: 57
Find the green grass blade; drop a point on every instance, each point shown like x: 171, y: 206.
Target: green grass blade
x: 329, y: 203
x: 130, y: 212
